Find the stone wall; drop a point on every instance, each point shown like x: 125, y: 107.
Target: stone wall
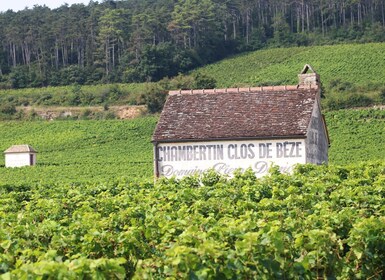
x: 317, y: 143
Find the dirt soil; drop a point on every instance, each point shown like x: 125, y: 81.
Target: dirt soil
x: 128, y: 112
x: 51, y: 113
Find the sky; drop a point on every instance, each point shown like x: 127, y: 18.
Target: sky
x: 17, y: 5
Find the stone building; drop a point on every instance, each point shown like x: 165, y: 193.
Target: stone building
x: 232, y: 128
x: 20, y: 155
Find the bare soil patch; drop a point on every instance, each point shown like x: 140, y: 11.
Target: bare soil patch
x: 51, y: 113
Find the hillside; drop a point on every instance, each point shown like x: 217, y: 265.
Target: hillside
x: 91, y: 209
x: 147, y: 40
x: 358, y: 64
x: 350, y: 74
x: 82, y: 151
x: 356, y: 135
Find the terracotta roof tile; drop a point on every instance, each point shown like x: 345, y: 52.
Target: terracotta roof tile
x: 236, y: 113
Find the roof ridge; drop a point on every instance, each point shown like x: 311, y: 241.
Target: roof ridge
x: 20, y: 148
x: 244, y: 89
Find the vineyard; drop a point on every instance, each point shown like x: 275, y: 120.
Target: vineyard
x: 350, y: 74
x: 91, y: 210
x: 319, y: 223
x: 93, y: 151
x: 356, y: 135
x: 357, y: 64
x: 80, y: 151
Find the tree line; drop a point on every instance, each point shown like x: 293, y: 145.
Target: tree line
x: 147, y: 40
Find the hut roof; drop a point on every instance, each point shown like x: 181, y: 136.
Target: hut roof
x: 20, y: 149
x: 236, y: 113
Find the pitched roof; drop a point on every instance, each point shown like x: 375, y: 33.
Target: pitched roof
x: 20, y: 149
x: 260, y: 112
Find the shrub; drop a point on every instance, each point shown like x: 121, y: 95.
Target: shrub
x: 8, y: 109
x: 348, y: 101
x: 382, y: 95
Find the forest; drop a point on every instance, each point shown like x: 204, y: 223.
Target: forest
x: 146, y: 40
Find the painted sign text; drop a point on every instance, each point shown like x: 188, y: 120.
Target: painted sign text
x: 181, y: 159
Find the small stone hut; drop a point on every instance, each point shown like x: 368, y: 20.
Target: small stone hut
x: 20, y: 155
x: 240, y: 128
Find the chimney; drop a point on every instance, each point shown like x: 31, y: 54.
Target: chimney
x: 306, y: 79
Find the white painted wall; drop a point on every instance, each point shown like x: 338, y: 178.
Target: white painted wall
x: 18, y: 159
x: 188, y: 158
